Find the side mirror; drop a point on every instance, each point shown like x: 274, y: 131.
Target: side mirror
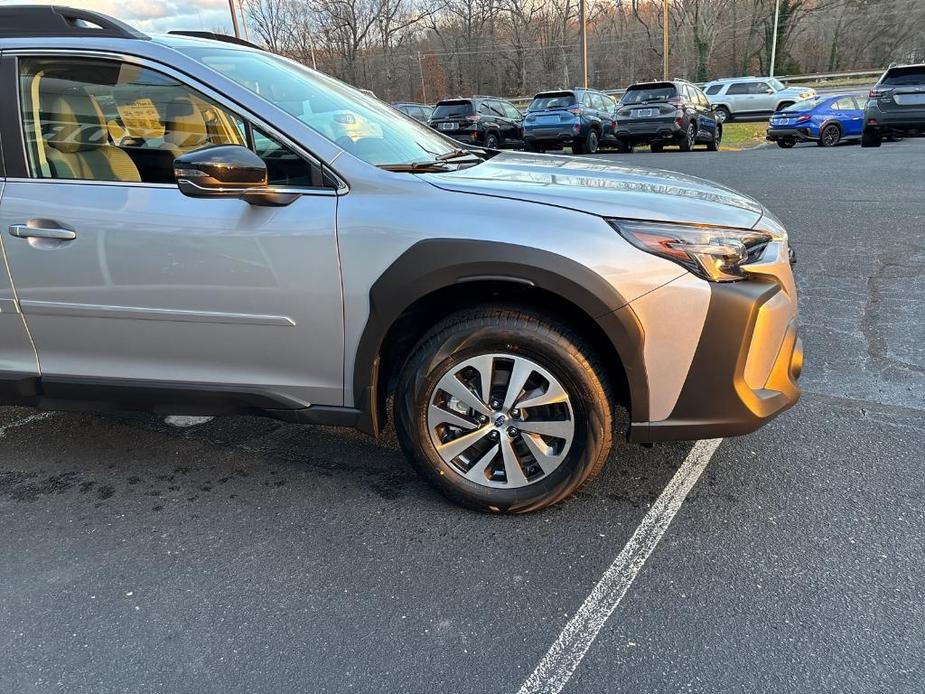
x: 769, y: 91
x: 227, y: 171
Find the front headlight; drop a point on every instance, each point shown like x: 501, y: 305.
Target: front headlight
x: 716, y: 254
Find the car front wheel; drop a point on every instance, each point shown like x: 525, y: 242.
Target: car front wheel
x: 504, y: 410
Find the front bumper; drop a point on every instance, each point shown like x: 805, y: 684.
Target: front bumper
x: 745, y: 369
x: 800, y: 134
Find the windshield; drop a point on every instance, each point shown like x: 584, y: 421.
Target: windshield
x: 545, y: 102
x: 364, y: 126
x: 642, y: 93
x: 452, y: 109
x: 805, y: 105
x: 777, y: 84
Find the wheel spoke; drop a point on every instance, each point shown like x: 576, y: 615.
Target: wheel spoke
x: 519, y: 375
x: 438, y: 415
x: 477, y: 472
x: 485, y: 366
x: 512, y: 470
x: 543, y: 453
x: 554, y: 394
x: 560, y: 429
x: 453, y: 386
x: 451, y: 449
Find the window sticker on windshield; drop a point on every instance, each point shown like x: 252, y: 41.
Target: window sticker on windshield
x: 141, y: 118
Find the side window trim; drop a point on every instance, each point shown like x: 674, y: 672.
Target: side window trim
x: 188, y: 81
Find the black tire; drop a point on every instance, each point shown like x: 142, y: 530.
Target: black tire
x: 893, y: 137
x: 657, y: 147
x: 722, y: 114
x: 527, y: 334
x: 690, y: 138
x: 492, y: 141
x: 531, y: 147
x: 871, y: 138
x: 786, y: 143
x: 623, y: 147
x: 713, y: 145
x: 592, y: 142
x: 829, y: 136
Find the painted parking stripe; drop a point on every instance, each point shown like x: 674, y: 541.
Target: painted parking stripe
x: 562, y: 659
x: 24, y: 421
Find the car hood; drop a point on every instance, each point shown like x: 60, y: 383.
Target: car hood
x: 796, y: 91
x: 604, y: 188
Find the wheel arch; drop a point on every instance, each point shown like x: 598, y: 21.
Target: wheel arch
x: 438, y: 276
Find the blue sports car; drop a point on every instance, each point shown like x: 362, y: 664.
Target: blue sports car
x: 825, y: 120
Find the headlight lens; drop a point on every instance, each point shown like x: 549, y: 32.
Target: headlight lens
x: 716, y: 254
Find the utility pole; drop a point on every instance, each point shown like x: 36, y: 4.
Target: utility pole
x: 423, y: 88
x: 665, y: 40
x: 234, y: 19
x: 583, y: 30
x: 774, y: 39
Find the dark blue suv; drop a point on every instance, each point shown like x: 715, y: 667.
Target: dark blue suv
x: 582, y: 118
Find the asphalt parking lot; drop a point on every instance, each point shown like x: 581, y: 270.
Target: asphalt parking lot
x: 247, y: 555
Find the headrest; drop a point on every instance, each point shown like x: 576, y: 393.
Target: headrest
x: 184, y: 125
x: 72, y: 122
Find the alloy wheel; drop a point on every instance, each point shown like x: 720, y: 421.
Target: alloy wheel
x: 500, y: 420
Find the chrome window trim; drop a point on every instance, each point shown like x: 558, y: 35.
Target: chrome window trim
x: 184, y: 78
x: 314, y: 192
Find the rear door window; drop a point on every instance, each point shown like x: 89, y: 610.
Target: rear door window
x: 714, y: 89
x: 738, y: 88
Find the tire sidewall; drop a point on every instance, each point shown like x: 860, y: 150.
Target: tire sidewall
x: 420, y: 376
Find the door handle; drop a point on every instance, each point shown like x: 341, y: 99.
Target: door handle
x: 24, y: 231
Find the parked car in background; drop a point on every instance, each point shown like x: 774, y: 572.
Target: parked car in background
x: 488, y: 121
x: 666, y: 113
x: 750, y: 97
x: 896, y: 105
x: 825, y: 120
x: 580, y: 118
x: 420, y: 112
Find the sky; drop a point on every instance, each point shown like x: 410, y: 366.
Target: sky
x: 154, y: 16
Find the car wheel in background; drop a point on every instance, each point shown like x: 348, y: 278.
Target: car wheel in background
x: 830, y: 136
x: 504, y: 410
x: 623, y: 146
x: 530, y: 147
x: 713, y: 145
x: 722, y: 114
x: 893, y: 137
x: 589, y: 146
x: 655, y: 147
x: 784, y: 104
x: 786, y: 144
x: 690, y: 137
x: 870, y: 138
x: 491, y: 141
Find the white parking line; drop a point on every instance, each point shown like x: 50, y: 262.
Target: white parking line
x: 563, y: 658
x: 24, y: 421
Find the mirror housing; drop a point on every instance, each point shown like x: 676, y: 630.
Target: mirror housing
x: 769, y: 90
x: 227, y: 171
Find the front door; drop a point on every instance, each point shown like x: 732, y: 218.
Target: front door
x: 123, y: 280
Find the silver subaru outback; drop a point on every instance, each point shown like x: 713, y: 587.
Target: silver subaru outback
x: 197, y: 226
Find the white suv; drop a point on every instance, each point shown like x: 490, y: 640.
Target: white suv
x: 752, y: 96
